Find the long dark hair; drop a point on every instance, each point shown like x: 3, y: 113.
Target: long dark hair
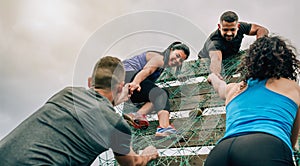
x: 270, y: 57
x: 175, y: 46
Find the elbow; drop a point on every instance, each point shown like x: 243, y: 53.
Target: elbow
x: 262, y: 32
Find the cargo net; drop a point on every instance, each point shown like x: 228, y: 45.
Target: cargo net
x: 198, y: 114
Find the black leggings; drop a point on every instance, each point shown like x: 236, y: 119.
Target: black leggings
x: 149, y: 93
x: 257, y: 149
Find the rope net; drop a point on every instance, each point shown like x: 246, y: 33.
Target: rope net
x: 197, y: 113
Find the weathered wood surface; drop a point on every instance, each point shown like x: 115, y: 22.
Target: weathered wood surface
x: 189, y: 69
x: 182, y: 98
x: 194, y: 131
x: 192, y: 160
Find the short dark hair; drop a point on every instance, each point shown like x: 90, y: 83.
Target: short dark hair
x: 108, y: 72
x: 270, y: 57
x: 229, y: 16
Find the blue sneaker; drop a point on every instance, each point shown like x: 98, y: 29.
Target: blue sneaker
x: 162, y: 132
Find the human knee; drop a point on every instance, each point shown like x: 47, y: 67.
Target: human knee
x: 160, y: 99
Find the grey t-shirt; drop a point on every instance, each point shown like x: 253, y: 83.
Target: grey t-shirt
x: 72, y: 128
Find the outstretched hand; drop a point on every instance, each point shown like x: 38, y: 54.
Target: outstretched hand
x: 150, y: 152
x: 124, y: 95
x: 134, y: 86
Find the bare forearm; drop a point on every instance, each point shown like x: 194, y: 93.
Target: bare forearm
x: 218, y: 85
x: 215, y: 66
x: 133, y: 159
x: 142, y: 75
x: 216, y: 63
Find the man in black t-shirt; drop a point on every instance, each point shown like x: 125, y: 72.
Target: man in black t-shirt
x: 226, y: 40
x: 76, y: 125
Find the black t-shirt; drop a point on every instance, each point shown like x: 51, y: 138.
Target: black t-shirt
x: 72, y: 128
x: 228, y: 48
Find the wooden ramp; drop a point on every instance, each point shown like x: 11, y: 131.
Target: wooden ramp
x: 196, y: 112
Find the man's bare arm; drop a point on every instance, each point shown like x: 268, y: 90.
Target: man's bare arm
x: 259, y: 31
x: 216, y: 63
x: 133, y: 159
x: 218, y: 85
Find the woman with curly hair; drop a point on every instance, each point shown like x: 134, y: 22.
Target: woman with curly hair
x: 262, y: 112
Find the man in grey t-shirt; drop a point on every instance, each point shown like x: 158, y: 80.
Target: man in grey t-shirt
x: 76, y: 125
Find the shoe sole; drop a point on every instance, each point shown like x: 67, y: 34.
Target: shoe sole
x: 178, y: 138
x: 136, y: 123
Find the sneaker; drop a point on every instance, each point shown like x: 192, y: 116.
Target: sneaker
x: 162, y: 132
x: 138, y: 121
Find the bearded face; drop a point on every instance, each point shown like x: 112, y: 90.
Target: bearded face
x: 228, y: 29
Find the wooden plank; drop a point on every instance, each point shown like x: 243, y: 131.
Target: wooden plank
x: 189, y: 69
x: 196, y: 131
x: 195, y: 68
x: 187, y: 90
x: 194, y: 102
x: 193, y: 160
x: 184, y: 103
x: 193, y: 89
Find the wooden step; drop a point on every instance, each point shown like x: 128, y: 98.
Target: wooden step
x: 184, y: 103
x: 167, y: 157
x: 195, y: 131
x: 192, y: 160
x: 190, y: 69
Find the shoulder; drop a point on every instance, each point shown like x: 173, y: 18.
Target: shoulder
x: 215, y: 35
x: 155, y: 58
x: 245, y: 27
x: 70, y: 89
x: 287, y: 87
x: 68, y: 93
x: 234, y: 89
x: 153, y: 55
x: 214, y: 41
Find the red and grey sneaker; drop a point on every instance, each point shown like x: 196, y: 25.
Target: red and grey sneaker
x: 138, y: 121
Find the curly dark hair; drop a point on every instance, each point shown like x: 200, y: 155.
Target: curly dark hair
x: 270, y: 57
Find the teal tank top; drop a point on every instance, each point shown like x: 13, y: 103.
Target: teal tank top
x: 259, y: 109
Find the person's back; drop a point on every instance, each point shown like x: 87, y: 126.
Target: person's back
x: 63, y: 131
x: 253, y: 111
x: 262, y: 112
